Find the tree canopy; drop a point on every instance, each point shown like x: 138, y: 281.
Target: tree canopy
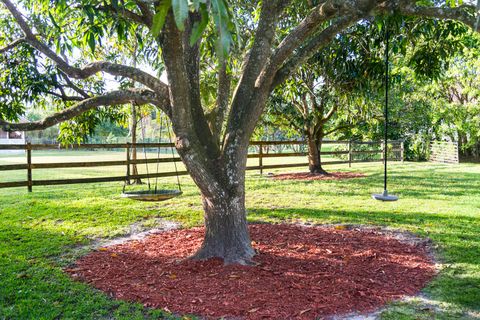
x: 250, y: 46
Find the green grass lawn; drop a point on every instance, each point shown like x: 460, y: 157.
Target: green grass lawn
x: 42, y: 232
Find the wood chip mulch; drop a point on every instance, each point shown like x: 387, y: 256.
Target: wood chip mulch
x: 316, y: 176
x: 302, y: 273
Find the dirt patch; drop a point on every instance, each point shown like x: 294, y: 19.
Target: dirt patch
x: 316, y: 176
x: 302, y: 273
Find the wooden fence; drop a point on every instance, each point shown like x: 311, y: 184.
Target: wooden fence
x: 396, y: 148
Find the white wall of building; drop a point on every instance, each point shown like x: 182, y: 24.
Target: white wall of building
x: 12, y: 138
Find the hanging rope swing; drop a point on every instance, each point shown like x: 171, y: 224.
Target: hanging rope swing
x: 154, y: 193
x: 385, y: 196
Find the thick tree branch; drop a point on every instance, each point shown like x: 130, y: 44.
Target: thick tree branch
x: 464, y: 13
x: 308, y: 26
x: 313, y: 45
x: 244, y: 111
x: 223, y: 96
x: 264, y: 36
x: 197, y: 148
x: 331, y: 112
x: 188, y: 118
x: 138, y: 96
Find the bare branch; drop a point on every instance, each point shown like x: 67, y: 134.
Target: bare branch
x: 331, y: 112
x: 90, y: 69
x: 65, y: 97
x: 138, y: 96
x: 126, y: 14
x: 340, y: 127
x: 12, y: 45
x: 74, y: 87
x: 146, y: 11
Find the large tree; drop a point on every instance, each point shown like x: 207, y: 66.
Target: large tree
x: 214, y: 149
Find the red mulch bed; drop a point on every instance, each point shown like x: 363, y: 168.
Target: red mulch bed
x: 316, y: 176
x: 302, y: 273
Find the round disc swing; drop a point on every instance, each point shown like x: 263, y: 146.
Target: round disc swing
x: 385, y: 196
x: 154, y: 193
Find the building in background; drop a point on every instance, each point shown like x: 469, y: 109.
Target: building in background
x: 15, y: 137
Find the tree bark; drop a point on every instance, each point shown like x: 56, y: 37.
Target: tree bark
x: 226, y: 229
x: 314, y: 154
x: 223, y: 197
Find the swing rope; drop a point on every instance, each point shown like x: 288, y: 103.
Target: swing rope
x: 156, y: 195
x: 158, y: 151
x: 173, y: 157
x: 145, y: 153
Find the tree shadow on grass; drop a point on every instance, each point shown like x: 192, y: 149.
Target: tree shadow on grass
x: 457, y: 238
x: 405, y: 184
x: 34, y: 286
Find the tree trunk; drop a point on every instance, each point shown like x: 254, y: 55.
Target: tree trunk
x: 226, y: 230
x: 223, y: 198
x: 314, y: 155
x: 222, y: 186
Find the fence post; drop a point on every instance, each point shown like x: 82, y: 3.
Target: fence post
x: 260, y: 157
x: 350, y: 155
x: 402, y: 151
x: 128, y: 162
x: 29, y: 167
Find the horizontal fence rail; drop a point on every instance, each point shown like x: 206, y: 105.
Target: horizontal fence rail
x: 348, y: 155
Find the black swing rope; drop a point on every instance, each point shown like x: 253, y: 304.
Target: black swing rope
x: 158, y: 151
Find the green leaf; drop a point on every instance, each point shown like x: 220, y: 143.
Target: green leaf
x: 180, y: 13
x: 91, y: 41
x: 160, y: 16
x: 53, y: 21
x: 222, y: 20
x: 199, y: 28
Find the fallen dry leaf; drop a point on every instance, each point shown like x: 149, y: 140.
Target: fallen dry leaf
x: 304, y: 311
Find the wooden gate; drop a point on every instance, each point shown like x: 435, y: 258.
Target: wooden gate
x: 444, y: 152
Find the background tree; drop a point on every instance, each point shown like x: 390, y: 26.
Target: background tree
x: 332, y: 91
x: 216, y: 159
x: 422, y: 57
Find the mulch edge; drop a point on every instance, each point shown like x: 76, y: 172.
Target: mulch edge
x: 134, y: 231
x: 403, y: 236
